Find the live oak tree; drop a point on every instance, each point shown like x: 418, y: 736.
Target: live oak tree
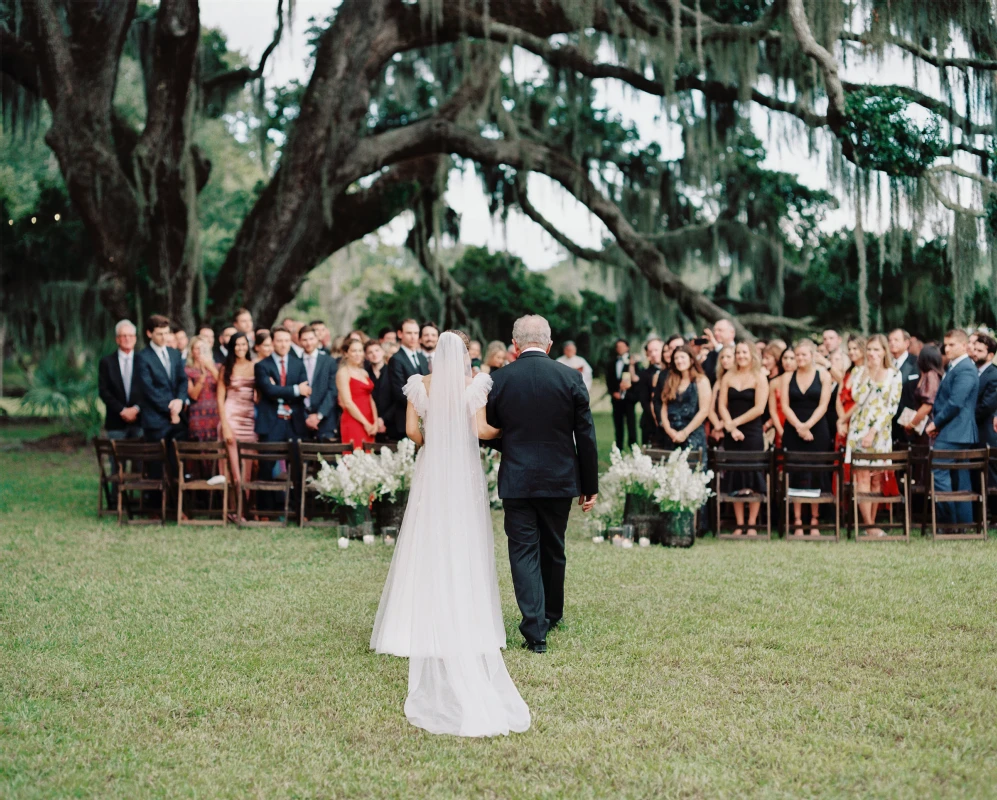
x: 400, y: 91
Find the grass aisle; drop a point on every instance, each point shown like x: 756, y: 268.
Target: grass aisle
x: 183, y: 662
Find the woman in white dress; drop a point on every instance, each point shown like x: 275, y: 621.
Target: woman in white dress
x: 440, y: 607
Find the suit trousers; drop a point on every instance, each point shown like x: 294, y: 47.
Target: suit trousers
x: 281, y: 431
x: 535, y: 529
x: 954, y: 481
x: 624, y: 411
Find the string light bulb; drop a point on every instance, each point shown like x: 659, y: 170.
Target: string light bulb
x: 58, y: 217
x: 34, y: 220
x: 10, y: 222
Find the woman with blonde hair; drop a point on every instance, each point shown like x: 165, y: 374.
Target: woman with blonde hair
x: 202, y: 387
x: 877, y: 390
x: 805, y: 402
x: 495, y: 357
x: 744, y: 393
x: 725, y: 363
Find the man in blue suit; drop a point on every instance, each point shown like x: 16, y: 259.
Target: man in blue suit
x: 321, y: 420
x: 954, y: 424
x: 162, y: 385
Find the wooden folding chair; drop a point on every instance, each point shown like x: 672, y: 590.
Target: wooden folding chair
x: 266, y: 455
x: 108, y: 477
x: 724, y: 461
x: 134, y: 459
x: 657, y: 454
x: 976, y: 459
x: 215, y: 456
x: 920, y: 484
x: 831, y: 464
x: 375, y: 447
x: 309, y: 455
x: 899, y: 464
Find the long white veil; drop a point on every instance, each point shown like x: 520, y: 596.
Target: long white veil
x: 440, y: 606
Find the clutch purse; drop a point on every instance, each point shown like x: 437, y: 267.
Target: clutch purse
x: 905, y: 419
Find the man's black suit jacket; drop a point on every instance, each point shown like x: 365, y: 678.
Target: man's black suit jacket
x: 908, y: 384
x: 111, y: 388
x: 986, y: 406
x: 157, y: 388
x: 400, y: 369
x: 548, y: 438
x: 270, y: 391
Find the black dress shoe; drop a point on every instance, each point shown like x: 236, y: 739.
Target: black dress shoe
x: 535, y: 647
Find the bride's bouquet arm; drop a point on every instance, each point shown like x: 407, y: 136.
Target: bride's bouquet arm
x: 412, y: 424
x: 486, y: 431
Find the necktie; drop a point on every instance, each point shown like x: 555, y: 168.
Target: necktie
x: 165, y: 356
x: 283, y: 374
x: 309, y: 371
x: 126, y: 377
x: 415, y: 361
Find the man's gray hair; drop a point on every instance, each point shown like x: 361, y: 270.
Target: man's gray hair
x: 531, y: 331
x: 125, y: 323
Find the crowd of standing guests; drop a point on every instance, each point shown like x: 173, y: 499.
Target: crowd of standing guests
x: 292, y: 382
x: 866, y: 395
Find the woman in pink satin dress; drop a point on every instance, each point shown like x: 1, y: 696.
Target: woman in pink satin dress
x: 236, y: 406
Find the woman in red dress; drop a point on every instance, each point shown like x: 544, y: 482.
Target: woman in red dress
x: 359, y: 423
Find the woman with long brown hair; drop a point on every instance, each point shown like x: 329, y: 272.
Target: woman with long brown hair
x: 685, y: 403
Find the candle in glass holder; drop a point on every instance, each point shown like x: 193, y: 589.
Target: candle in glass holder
x: 343, y: 542
x: 644, y: 541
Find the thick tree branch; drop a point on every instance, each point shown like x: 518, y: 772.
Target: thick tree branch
x: 235, y: 78
x: 442, y: 136
x: 17, y: 59
x: 920, y: 52
x: 523, y: 199
x: 932, y: 175
x: 926, y: 101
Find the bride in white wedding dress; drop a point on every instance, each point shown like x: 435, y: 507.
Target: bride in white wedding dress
x: 440, y: 607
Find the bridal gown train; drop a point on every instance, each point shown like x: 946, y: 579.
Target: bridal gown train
x: 440, y: 606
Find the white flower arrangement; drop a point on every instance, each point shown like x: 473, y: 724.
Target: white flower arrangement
x: 680, y: 487
x: 397, y: 470
x: 490, y: 462
x: 672, y: 484
x: 359, y: 478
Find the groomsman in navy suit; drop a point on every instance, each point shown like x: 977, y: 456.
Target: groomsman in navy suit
x: 954, y: 423
x: 408, y: 361
x: 282, y: 386
x: 320, y: 407
x: 163, y: 386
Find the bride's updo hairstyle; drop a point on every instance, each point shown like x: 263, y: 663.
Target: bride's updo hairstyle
x: 462, y: 336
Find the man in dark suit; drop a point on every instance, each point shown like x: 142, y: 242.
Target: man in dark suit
x: 377, y: 368
x: 645, y: 389
x: 983, y: 347
x: 953, y: 426
x: 281, y: 386
x: 722, y: 334
x: 319, y: 417
x: 621, y: 385
x: 549, y: 457
x: 118, y: 386
x: 163, y: 386
x: 408, y: 361
x: 899, y: 343
x: 221, y: 347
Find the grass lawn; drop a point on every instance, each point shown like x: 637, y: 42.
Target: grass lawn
x: 182, y: 662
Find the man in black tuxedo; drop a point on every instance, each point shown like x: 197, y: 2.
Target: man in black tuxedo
x: 645, y: 389
x: 221, y: 346
x: 163, y: 386
x: 619, y: 371
x: 320, y: 421
x: 982, y: 348
x: 899, y: 343
x: 118, y: 386
x: 408, y: 361
x: 549, y: 457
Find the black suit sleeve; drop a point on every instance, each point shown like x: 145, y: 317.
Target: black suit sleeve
x: 585, y: 443
x: 105, y: 388
x: 178, y: 370
x: 325, y: 407
x: 152, y: 395
x: 396, y: 374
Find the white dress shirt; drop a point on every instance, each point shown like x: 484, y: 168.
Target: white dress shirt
x: 955, y: 361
